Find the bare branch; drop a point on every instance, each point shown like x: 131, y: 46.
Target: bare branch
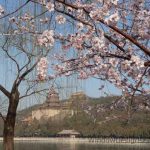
x: 2, y: 89
x: 34, y: 92
x: 29, y: 70
x: 5, y: 50
x: 26, y: 73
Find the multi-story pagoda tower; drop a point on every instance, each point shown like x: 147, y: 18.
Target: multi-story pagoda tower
x: 52, y: 98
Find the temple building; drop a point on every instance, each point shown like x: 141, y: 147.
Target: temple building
x: 78, y: 96
x: 52, y: 99
x: 55, y: 109
x: 52, y: 107
x: 68, y: 133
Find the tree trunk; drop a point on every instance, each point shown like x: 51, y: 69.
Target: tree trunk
x: 9, y: 124
x: 130, y: 110
x: 129, y: 116
x: 8, y: 143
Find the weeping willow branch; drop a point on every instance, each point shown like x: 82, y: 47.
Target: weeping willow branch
x: 15, y: 10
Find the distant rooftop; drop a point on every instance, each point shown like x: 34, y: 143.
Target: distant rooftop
x: 79, y: 93
x: 68, y: 132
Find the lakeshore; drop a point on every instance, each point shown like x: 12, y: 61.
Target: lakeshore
x: 120, y: 141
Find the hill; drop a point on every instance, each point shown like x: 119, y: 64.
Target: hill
x: 94, y: 117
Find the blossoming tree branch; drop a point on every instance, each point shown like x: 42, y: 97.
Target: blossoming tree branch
x: 109, y: 40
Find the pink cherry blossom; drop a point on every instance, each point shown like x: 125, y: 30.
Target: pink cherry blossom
x: 60, y: 19
x: 80, y: 26
x: 115, y: 2
x: 83, y: 75
x: 1, y: 10
x: 42, y: 67
x: 46, y: 39
x: 50, y: 6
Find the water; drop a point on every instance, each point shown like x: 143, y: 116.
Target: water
x: 63, y: 146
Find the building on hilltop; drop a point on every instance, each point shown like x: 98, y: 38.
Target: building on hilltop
x: 78, y: 96
x: 52, y: 108
x: 52, y: 100
x: 55, y: 109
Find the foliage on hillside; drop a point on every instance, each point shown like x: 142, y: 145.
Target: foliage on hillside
x: 108, y: 123
x: 138, y: 127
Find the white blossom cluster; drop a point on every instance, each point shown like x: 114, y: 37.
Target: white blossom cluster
x: 46, y: 39
x: 60, y: 19
x: 83, y: 74
x: 98, y: 42
x: 42, y: 67
x: 50, y: 6
x: 138, y: 62
x: 115, y: 2
x: 1, y: 10
x: 113, y: 18
x: 80, y: 26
